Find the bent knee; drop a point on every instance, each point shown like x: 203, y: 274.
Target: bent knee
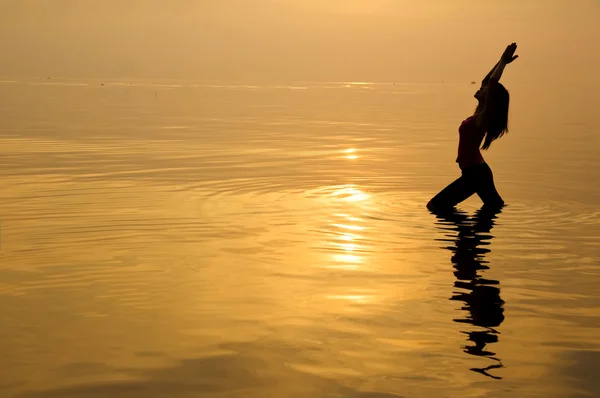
x: 433, y: 206
x: 430, y: 205
x: 436, y: 207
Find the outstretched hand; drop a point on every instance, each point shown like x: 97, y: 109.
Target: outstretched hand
x: 508, y: 55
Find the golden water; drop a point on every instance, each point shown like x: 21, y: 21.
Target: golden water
x: 180, y: 239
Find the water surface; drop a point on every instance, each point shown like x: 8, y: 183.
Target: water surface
x: 187, y: 239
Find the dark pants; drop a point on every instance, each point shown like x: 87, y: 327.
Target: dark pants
x: 474, y: 179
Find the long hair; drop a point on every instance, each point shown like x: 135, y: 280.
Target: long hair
x: 497, y: 109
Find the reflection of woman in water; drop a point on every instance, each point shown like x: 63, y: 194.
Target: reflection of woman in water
x: 489, y: 122
x: 481, y: 296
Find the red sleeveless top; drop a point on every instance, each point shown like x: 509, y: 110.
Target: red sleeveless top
x: 470, y: 138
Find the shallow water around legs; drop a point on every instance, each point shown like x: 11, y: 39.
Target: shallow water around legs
x: 194, y: 240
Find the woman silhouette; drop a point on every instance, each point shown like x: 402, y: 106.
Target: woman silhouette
x: 489, y: 122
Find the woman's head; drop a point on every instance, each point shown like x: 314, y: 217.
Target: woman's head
x: 496, y: 104
x: 480, y: 94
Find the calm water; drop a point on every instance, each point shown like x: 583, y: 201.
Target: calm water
x: 195, y: 240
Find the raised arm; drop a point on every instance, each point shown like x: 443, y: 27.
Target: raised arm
x: 486, y: 79
x: 507, y: 58
x: 494, y: 77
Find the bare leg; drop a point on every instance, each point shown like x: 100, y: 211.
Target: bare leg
x: 459, y: 190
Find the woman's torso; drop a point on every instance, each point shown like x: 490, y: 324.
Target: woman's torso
x: 470, y: 138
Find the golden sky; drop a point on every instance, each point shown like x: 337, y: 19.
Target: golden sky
x: 296, y: 40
